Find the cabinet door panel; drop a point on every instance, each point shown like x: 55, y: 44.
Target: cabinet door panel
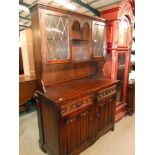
x: 102, y: 116
x: 106, y: 110
x: 109, y: 111
x: 73, y: 135
x: 93, y: 125
x: 63, y: 143
x: 77, y: 130
x: 84, y: 128
x: 99, y: 39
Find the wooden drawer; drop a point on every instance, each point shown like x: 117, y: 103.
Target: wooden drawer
x: 73, y: 106
x: 105, y: 93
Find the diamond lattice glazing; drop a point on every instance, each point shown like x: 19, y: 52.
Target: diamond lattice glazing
x: 57, y: 37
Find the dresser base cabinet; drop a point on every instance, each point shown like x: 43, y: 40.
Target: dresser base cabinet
x: 70, y: 126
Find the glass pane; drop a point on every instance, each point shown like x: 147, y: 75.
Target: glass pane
x: 57, y: 37
x: 123, y: 31
x: 98, y: 39
x: 120, y: 76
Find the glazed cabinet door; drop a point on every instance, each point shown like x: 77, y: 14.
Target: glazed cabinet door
x: 121, y: 76
x: 55, y: 36
x: 98, y: 39
x: 76, y: 132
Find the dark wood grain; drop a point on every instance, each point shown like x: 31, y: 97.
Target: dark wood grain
x: 76, y: 103
x: 131, y: 98
x: 61, y: 70
x: 114, y: 15
x: 84, y: 110
x: 37, y: 48
x: 64, y: 91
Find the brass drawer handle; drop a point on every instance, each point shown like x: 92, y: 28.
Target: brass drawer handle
x: 111, y: 100
x: 70, y: 120
x: 78, y: 105
x: 84, y: 113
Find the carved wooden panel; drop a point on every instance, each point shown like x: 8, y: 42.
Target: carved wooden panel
x: 76, y: 105
x: 106, y: 92
x: 127, y: 9
x: 81, y: 21
x: 73, y: 140
x: 105, y: 114
x: 77, y: 130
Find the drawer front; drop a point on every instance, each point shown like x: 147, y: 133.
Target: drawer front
x: 71, y: 107
x: 105, y: 93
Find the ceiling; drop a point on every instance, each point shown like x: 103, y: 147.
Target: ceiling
x: 89, y: 7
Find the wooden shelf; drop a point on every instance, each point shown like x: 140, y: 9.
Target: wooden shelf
x: 99, y: 58
x: 56, y: 38
x: 79, y: 39
x: 81, y: 61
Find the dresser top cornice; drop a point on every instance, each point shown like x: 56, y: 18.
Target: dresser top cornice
x: 53, y: 8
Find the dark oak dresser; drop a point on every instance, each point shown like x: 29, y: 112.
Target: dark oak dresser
x: 75, y: 102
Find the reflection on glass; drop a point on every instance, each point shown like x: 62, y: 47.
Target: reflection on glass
x: 120, y: 76
x: 99, y: 39
x: 57, y: 38
x: 123, y: 31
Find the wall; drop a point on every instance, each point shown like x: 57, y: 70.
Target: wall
x: 27, y: 52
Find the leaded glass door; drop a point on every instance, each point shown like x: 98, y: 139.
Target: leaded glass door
x: 55, y: 29
x: 99, y: 39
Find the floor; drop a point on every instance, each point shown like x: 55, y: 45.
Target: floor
x: 119, y: 142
